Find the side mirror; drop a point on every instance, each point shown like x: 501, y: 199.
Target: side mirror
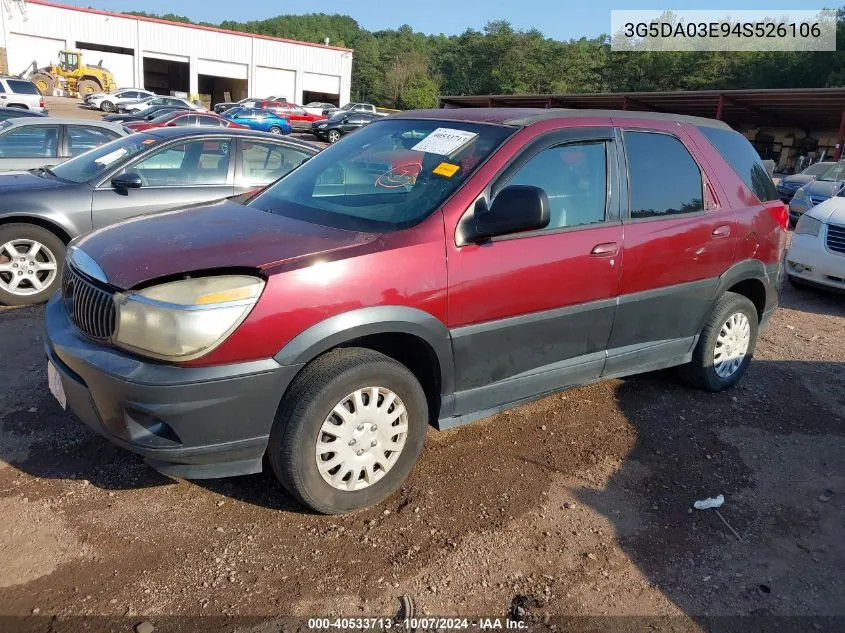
x: 516, y: 208
x: 129, y: 180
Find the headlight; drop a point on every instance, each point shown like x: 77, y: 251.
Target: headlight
x: 808, y: 226
x: 182, y: 320
x: 802, y: 194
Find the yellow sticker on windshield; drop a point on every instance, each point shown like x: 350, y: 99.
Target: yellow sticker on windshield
x: 446, y: 169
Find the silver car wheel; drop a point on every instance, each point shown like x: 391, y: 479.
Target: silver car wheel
x: 27, y: 267
x: 731, y: 345
x: 362, y: 438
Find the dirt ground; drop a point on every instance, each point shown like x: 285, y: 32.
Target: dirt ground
x: 577, y: 505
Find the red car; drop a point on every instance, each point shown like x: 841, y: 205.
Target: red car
x: 298, y: 118
x: 183, y: 117
x: 327, y: 321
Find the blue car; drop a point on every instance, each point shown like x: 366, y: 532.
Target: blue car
x: 258, y: 119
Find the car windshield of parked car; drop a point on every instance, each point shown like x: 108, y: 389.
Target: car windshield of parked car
x: 816, y: 170
x: 834, y: 174
x: 97, y: 161
x: 384, y: 177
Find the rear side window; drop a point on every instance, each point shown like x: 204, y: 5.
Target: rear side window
x: 663, y: 178
x: 23, y: 87
x: 743, y: 158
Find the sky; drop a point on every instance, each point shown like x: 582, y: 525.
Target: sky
x: 555, y: 18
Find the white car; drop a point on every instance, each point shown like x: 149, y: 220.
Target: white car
x: 100, y: 95
x: 109, y: 103
x: 176, y: 102
x: 816, y: 256
x: 317, y: 107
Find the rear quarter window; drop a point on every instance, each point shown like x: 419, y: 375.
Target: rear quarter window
x: 21, y: 87
x: 740, y: 154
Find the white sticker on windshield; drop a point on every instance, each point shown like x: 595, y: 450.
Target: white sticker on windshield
x: 109, y: 158
x: 444, y: 141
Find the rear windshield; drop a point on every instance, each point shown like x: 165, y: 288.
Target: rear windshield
x: 741, y: 155
x: 22, y: 87
x: 384, y: 177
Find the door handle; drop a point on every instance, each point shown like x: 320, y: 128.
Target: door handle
x: 605, y: 250
x: 721, y: 231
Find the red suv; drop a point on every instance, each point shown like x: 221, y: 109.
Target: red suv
x: 328, y: 320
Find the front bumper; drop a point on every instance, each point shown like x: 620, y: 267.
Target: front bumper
x: 192, y: 422
x: 808, y: 260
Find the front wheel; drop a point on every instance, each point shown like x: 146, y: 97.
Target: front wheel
x: 334, y: 136
x: 107, y: 106
x: 349, y: 430
x: 726, y: 344
x: 30, y: 264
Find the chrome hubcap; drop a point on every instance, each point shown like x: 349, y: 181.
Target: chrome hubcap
x: 26, y: 267
x: 362, y: 438
x: 731, y: 345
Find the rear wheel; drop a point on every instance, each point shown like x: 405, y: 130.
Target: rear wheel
x: 726, y: 344
x: 275, y: 130
x: 87, y: 87
x: 107, y: 106
x: 30, y: 264
x: 349, y: 430
x: 44, y: 83
x: 334, y: 136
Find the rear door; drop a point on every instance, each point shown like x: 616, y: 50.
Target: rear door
x: 678, y: 240
x: 181, y: 173
x: 534, y: 310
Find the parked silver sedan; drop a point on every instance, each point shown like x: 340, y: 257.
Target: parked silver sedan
x: 32, y: 142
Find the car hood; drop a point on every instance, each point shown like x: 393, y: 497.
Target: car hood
x: 823, y: 188
x: 831, y: 211
x: 797, y: 179
x: 219, y: 235
x: 14, y: 181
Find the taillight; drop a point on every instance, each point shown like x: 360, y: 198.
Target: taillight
x: 41, y: 103
x: 781, y: 214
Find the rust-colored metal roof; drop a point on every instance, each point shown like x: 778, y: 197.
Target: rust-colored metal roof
x: 808, y: 108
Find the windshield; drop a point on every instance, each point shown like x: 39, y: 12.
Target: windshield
x: 817, y: 169
x: 835, y: 173
x: 92, y: 163
x: 384, y: 177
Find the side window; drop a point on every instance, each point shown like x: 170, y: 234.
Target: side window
x: 2, y: 88
x: 31, y: 141
x: 740, y: 154
x: 81, y: 138
x: 663, y: 178
x: 199, y: 162
x: 210, y: 121
x: 22, y: 87
x: 262, y: 163
x: 189, y: 119
x: 574, y: 177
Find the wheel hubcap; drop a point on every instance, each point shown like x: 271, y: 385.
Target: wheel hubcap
x: 361, y: 439
x: 731, y: 345
x: 26, y: 267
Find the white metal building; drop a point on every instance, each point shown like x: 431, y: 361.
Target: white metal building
x: 168, y: 57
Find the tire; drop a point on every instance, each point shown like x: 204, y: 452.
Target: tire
x: 107, y: 106
x: 703, y: 371
x: 51, y: 251
x: 87, y: 87
x: 275, y: 130
x: 324, y: 386
x: 44, y: 83
x: 334, y: 136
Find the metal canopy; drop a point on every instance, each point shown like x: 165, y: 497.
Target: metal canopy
x: 806, y: 108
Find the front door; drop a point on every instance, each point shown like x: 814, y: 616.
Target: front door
x: 182, y: 173
x: 533, y: 311
x: 678, y: 240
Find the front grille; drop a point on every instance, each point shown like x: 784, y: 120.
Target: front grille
x: 90, y: 308
x: 836, y: 238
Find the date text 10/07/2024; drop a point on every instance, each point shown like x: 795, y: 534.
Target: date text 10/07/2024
x: 412, y: 624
